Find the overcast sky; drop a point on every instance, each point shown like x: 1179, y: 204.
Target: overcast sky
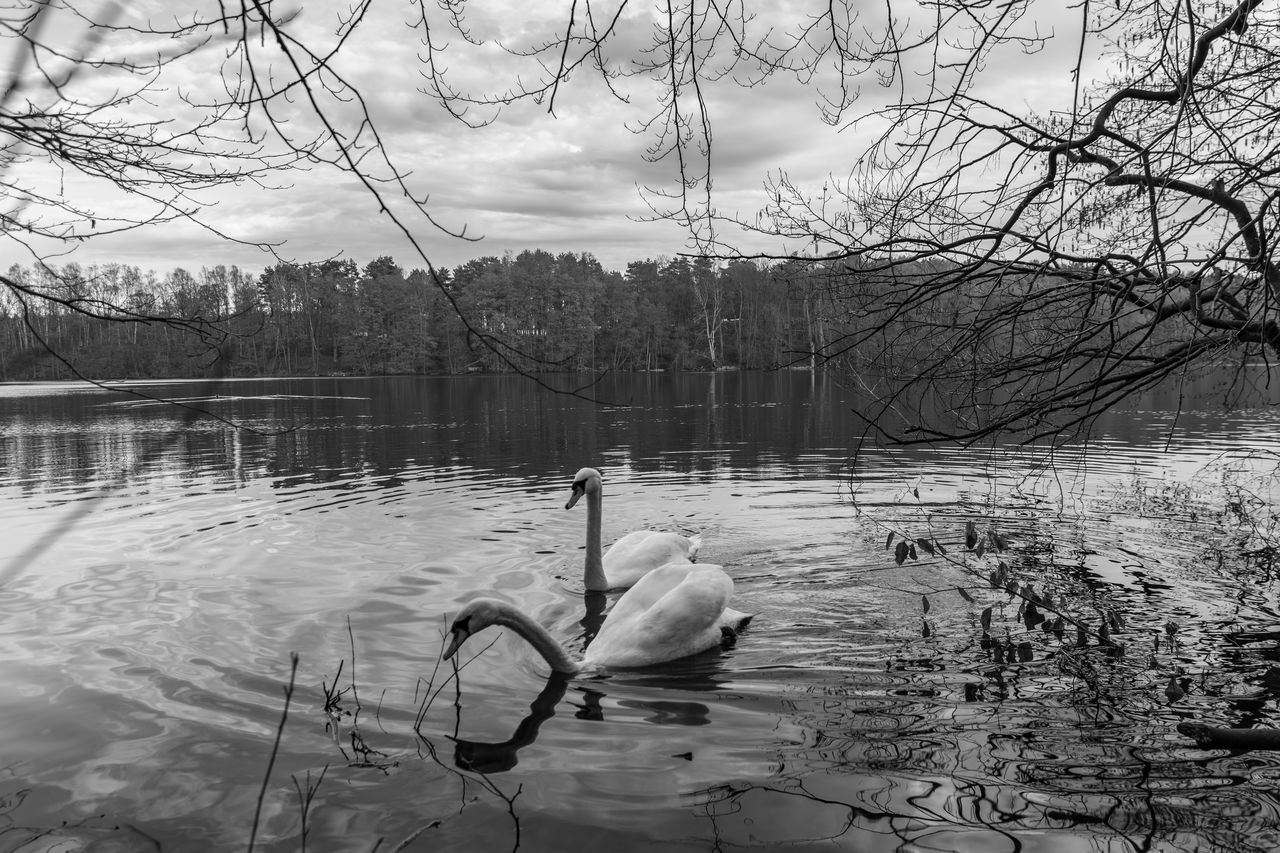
x: 568, y: 182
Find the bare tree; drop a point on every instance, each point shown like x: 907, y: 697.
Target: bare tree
x: 1057, y: 262
x: 1004, y: 268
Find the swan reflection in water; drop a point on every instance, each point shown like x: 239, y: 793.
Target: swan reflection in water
x: 594, y: 605
x: 488, y: 758
x: 498, y: 757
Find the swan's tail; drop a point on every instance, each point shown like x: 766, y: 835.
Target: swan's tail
x: 695, y: 545
x: 734, y: 620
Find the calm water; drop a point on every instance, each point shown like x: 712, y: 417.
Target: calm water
x: 158, y: 571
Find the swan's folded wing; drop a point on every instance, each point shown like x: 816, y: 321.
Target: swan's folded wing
x: 641, y: 551
x: 677, y: 614
x: 652, y: 587
x: 624, y: 547
x: 695, y: 604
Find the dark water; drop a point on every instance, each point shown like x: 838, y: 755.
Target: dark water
x: 158, y: 571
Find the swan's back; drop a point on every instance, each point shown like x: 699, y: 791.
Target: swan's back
x: 641, y: 551
x: 672, y: 612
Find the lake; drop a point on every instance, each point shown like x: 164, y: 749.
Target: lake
x: 160, y: 568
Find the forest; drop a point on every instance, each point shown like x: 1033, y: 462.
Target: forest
x: 550, y: 312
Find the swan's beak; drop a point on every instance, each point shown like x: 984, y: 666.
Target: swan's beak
x: 459, y: 637
x: 579, y: 489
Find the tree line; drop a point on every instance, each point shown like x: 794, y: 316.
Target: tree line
x: 550, y: 311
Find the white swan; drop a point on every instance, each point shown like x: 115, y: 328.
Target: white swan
x: 634, y: 555
x: 673, y: 612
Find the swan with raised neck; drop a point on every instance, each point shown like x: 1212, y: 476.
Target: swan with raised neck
x: 631, y: 557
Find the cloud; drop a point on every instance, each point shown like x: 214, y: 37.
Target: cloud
x: 568, y: 182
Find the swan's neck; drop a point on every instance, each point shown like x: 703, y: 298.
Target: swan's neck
x: 537, y: 636
x: 595, y: 579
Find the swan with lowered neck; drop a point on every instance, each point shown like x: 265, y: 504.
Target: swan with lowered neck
x: 672, y: 612
x: 634, y: 555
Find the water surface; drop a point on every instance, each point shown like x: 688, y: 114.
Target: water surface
x: 160, y: 569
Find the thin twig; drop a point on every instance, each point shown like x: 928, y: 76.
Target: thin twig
x: 275, y: 748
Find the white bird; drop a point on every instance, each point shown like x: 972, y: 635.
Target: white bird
x: 634, y: 555
x: 673, y: 612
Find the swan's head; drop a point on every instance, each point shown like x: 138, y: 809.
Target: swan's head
x: 472, y: 619
x: 585, y: 482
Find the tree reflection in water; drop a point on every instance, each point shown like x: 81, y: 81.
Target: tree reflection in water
x: 934, y: 772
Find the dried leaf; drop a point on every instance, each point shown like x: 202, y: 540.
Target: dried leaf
x: 938, y: 545
x: 889, y: 541
x: 900, y: 553
x: 911, y: 550
x: 925, y: 546
x: 1026, y: 653
x: 986, y: 619
x: 981, y: 549
x: 924, y: 602
x: 994, y: 578
x: 970, y: 535
x: 964, y: 594
x: 925, y: 630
